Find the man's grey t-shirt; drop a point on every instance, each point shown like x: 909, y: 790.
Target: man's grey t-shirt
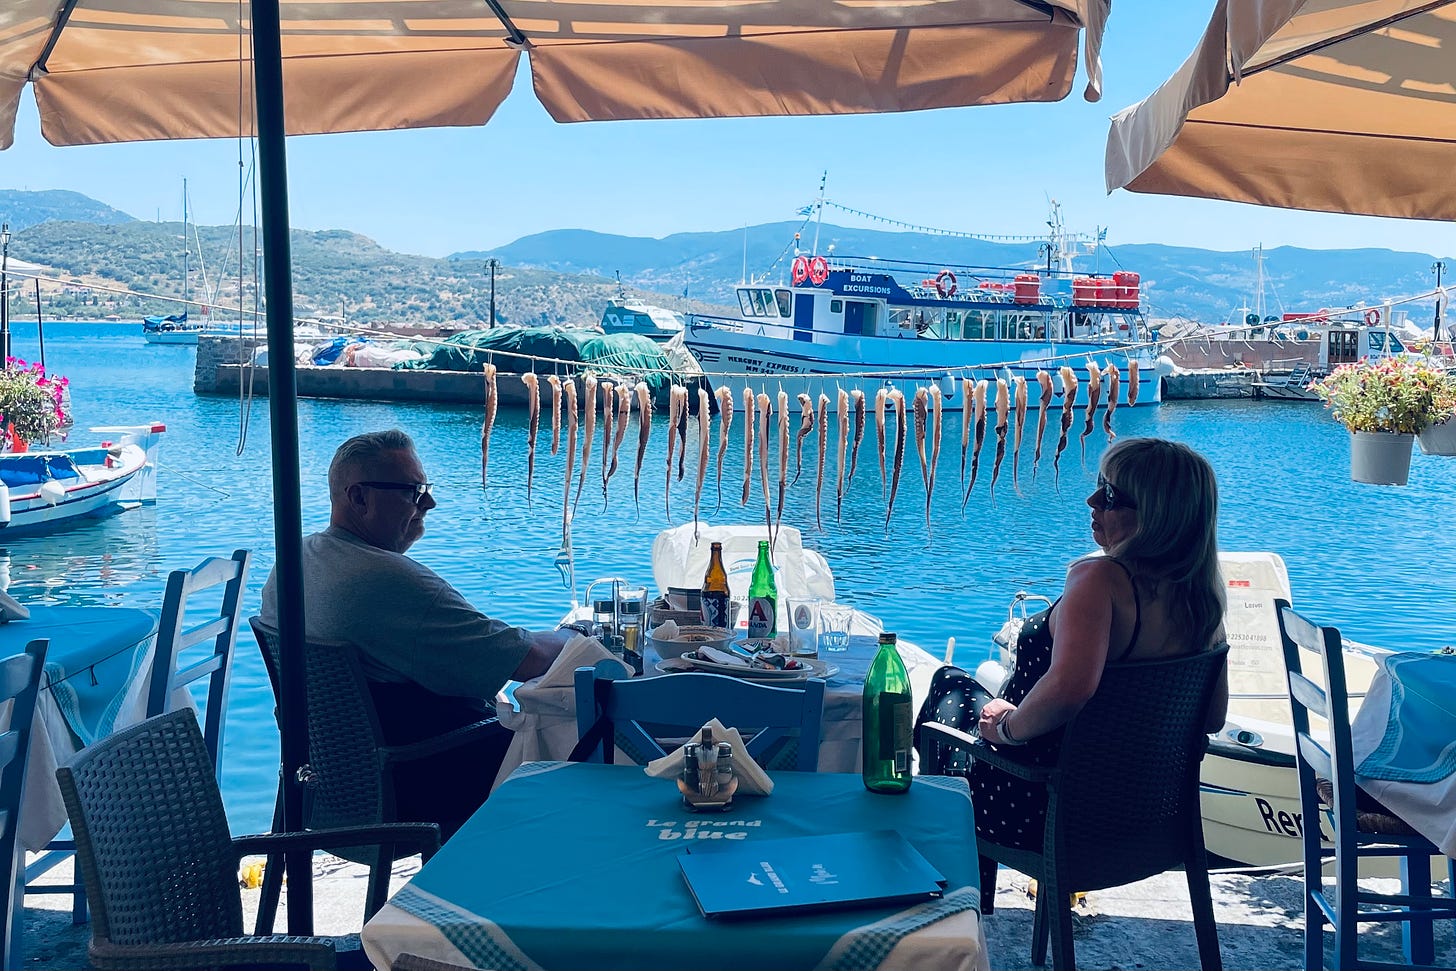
x: 408, y: 623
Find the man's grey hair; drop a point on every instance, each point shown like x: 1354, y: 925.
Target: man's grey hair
x: 360, y: 451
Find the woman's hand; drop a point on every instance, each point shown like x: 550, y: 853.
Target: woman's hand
x: 992, y: 715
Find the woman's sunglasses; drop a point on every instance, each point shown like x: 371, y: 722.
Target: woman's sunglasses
x: 1113, y: 497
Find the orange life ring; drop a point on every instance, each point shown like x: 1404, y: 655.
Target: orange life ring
x: 1372, y: 316
x: 945, y: 283
x: 799, y: 272
x: 818, y: 270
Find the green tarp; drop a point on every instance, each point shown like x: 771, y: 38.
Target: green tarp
x: 551, y: 350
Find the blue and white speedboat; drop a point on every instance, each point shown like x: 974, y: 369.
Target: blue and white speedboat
x: 870, y: 324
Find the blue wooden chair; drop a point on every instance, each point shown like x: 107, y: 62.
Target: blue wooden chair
x: 780, y: 725
x: 214, y: 635
x: 19, y: 683
x: 1327, y: 789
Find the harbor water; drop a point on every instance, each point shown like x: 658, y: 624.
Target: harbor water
x: 1378, y: 562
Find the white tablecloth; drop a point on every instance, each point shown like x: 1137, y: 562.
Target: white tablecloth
x: 543, y: 715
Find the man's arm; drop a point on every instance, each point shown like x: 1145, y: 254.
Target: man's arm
x: 544, y: 648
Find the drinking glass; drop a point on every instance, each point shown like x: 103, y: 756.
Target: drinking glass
x: 804, y: 626
x: 834, y: 623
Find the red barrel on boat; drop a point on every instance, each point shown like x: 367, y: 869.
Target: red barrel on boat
x: 1028, y: 288
x: 1104, y: 294
x: 1084, y: 290
x: 1129, y: 288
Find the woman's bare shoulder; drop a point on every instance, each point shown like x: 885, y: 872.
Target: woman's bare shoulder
x: 1098, y: 571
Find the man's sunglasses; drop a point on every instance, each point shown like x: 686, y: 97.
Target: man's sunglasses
x: 1112, y: 496
x: 420, y: 489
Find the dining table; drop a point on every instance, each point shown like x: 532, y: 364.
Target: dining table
x: 542, y: 712
x: 575, y: 866
x: 1403, y: 741
x: 93, y: 683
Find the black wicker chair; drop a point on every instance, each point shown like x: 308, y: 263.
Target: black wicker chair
x: 1122, y: 800
x: 353, y: 767
x: 160, y: 866
x: 20, y: 678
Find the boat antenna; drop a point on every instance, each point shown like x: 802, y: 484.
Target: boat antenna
x: 819, y: 206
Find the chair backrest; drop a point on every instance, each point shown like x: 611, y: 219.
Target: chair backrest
x: 152, y: 838
x: 780, y: 725
x: 1312, y: 758
x: 19, y: 684
x: 344, y: 735
x: 218, y: 631
x: 1125, y: 788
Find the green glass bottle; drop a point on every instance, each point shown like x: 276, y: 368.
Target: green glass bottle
x: 888, y: 721
x: 763, y: 598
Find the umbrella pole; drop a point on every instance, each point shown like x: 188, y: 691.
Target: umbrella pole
x: 283, y: 414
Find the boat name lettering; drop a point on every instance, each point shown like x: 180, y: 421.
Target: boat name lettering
x: 1280, y: 822
x: 865, y: 283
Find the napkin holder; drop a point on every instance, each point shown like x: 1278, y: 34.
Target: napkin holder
x: 707, y: 781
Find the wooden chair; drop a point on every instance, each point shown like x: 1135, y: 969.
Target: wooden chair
x: 220, y: 631
x: 20, y: 678
x: 1122, y: 800
x: 351, y: 765
x: 1327, y: 789
x: 635, y: 713
x: 160, y: 865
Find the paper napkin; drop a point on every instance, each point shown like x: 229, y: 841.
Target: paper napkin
x: 752, y: 780
x: 581, y: 651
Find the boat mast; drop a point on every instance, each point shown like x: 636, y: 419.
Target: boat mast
x: 1259, y: 282
x: 186, y: 246
x: 819, y: 205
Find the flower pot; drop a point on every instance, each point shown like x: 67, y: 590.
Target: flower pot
x: 1380, y: 458
x: 1440, y: 438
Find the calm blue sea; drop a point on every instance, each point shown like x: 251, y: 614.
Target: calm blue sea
x: 1376, y: 561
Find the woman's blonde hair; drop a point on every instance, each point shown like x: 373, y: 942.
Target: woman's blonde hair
x: 1176, y: 540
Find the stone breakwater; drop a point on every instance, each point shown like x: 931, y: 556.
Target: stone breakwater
x: 221, y: 369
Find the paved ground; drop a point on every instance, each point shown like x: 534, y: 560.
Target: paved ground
x: 1144, y: 925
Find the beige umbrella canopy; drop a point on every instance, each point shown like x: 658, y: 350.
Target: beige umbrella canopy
x: 1331, y: 105
x: 119, y: 70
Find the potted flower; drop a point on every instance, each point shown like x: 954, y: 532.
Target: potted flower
x: 1440, y: 437
x: 1385, y: 404
x: 33, y: 407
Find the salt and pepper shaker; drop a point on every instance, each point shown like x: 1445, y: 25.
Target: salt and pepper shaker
x: 707, y: 781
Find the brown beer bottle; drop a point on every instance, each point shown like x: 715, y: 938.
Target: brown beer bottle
x: 715, y: 603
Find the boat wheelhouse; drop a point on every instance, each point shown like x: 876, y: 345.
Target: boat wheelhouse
x: 870, y: 324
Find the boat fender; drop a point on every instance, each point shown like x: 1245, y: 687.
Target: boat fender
x: 799, y: 270
x: 4, y: 504
x: 1372, y: 316
x: 945, y: 283
x: 818, y: 270
x: 52, y: 492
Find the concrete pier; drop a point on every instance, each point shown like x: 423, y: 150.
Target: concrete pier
x: 1217, y: 371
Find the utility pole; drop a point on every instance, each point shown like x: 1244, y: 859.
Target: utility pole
x: 492, y: 263
x: 5, y: 294
x: 1440, y: 267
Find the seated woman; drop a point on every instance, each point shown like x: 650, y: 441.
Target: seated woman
x: 1156, y: 594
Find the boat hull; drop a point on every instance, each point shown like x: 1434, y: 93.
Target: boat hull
x: 756, y: 358
x: 172, y: 337
x: 118, y: 475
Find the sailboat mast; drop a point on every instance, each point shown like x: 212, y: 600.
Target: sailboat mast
x: 819, y: 206
x: 186, y: 246
x: 1259, y: 282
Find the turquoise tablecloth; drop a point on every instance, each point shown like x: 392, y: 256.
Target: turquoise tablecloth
x: 575, y: 866
x: 1404, y: 742
x: 94, y: 683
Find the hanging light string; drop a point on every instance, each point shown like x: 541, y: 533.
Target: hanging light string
x: 936, y: 231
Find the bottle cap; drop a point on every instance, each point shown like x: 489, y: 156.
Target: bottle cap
x: 606, y: 606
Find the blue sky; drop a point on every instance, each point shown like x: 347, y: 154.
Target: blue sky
x: 988, y: 170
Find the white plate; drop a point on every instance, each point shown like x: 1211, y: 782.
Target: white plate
x: 814, y: 668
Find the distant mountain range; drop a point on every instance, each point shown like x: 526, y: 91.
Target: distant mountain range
x: 102, y: 261
x: 1198, y: 284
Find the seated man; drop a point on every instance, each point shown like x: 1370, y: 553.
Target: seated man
x: 433, y: 661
